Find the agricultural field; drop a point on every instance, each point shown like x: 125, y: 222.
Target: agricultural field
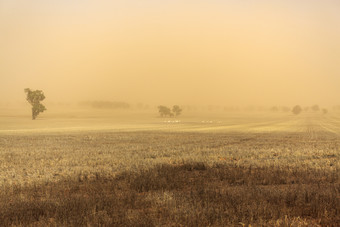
x: 137, y: 169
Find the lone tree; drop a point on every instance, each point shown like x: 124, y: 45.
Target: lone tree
x: 297, y: 110
x: 164, y: 111
x: 34, y: 98
x: 176, y: 110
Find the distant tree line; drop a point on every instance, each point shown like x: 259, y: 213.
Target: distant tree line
x: 315, y: 108
x: 165, y: 111
x: 106, y: 105
x: 281, y: 108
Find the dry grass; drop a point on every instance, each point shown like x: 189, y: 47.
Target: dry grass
x: 275, y: 173
x: 42, y: 158
x: 191, y: 194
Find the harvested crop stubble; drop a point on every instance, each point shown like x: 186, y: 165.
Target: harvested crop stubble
x: 191, y: 194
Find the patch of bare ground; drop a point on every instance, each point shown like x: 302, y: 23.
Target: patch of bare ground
x: 190, y: 194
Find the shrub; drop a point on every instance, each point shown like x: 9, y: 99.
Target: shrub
x: 297, y: 110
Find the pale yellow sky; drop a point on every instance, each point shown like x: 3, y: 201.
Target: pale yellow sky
x: 186, y: 52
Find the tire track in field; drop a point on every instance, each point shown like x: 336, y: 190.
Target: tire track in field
x: 309, y: 127
x: 260, y: 125
x: 317, y: 128
x: 331, y: 125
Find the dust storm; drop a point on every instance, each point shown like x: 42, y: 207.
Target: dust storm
x: 218, y: 53
x: 169, y: 113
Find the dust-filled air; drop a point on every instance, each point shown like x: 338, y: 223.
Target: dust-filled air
x: 170, y: 113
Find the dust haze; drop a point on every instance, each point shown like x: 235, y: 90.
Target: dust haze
x: 169, y: 112
x: 171, y: 52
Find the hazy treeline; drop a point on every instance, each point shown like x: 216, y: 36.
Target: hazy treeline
x: 105, y: 105
x: 122, y: 105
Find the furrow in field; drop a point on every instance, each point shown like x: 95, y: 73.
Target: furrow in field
x: 331, y: 124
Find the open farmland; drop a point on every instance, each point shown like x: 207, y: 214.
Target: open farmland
x: 226, y: 169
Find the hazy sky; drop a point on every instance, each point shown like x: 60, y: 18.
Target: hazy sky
x: 228, y: 52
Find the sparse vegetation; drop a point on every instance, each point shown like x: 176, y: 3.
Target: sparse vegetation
x: 190, y: 194
x: 176, y: 110
x: 297, y: 110
x: 166, y: 111
x: 159, y: 178
x: 34, y: 98
x: 106, y: 105
x: 278, y: 171
x: 169, y: 113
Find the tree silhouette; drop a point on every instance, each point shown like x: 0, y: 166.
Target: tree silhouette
x: 34, y: 98
x: 164, y: 111
x: 297, y: 109
x: 176, y: 110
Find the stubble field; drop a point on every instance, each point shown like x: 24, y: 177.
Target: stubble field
x: 226, y: 169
